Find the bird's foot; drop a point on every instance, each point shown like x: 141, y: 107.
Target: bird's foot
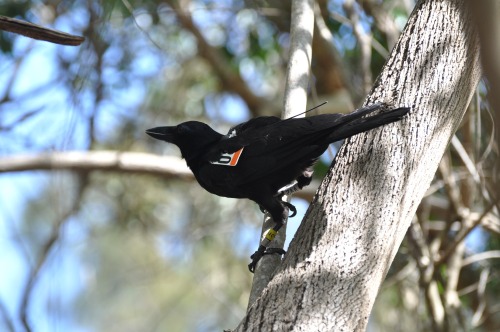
x: 305, y: 179
x: 290, y: 207
x: 261, y: 252
x: 263, y: 247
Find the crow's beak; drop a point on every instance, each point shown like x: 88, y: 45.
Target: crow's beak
x: 162, y: 133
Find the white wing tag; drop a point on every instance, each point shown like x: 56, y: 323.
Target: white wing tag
x: 228, y: 159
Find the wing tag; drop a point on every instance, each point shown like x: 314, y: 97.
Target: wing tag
x: 228, y: 159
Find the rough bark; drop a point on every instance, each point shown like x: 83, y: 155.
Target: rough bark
x: 343, y: 249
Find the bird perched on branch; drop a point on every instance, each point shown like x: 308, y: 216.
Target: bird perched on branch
x: 259, y: 157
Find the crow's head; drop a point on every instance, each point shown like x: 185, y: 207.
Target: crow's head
x: 189, y: 136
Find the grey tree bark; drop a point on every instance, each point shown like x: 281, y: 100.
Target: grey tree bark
x: 343, y: 249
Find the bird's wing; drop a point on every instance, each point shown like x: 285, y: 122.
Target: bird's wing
x: 283, y: 147
x: 253, y: 124
x: 246, y: 133
x: 272, y: 146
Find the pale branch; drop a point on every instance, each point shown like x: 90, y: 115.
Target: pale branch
x: 299, y: 62
x: 468, y: 289
x: 480, y: 257
x: 468, y: 225
x: 471, y: 168
x: 452, y: 302
x: 36, y: 31
x: 451, y: 188
x: 491, y: 223
x: 331, y: 81
x: 295, y: 101
x: 419, y: 247
x: 168, y: 167
x: 423, y: 255
x: 481, y: 295
x: 455, y: 200
x: 85, y: 161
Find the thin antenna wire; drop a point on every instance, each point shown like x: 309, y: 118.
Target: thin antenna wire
x: 309, y: 110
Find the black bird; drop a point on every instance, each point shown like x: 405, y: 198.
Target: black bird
x: 259, y: 157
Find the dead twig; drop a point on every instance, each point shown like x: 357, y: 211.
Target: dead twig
x: 36, y: 31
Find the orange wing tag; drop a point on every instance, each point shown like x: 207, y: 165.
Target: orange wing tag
x: 228, y: 159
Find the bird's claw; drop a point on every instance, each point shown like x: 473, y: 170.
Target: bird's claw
x: 292, y: 208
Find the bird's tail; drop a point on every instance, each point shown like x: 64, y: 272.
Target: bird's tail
x: 354, y: 123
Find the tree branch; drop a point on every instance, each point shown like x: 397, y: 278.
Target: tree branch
x: 36, y: 31
x: 481, y: 295
x: 168, y: 167
x: 467, y: 226
x: 481, y: 256
x: 295, y: 101
x: 127, y: 162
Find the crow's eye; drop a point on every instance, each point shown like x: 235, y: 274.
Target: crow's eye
x: 183, y: 129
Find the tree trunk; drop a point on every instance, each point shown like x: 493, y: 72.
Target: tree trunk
x: 341, y: 253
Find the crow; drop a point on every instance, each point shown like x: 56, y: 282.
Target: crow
x: 257, y: 158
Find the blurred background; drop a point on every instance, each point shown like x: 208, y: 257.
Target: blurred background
x: 90, y: 247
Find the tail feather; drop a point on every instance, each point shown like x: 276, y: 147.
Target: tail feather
x: 357, y: 124
x: 361, y: 112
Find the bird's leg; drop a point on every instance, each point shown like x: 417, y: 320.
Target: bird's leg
x: 279, y: 212
x: 288, y: 205
x: 288, y: 190
x: 263, y: 247
x: 303, y: 180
